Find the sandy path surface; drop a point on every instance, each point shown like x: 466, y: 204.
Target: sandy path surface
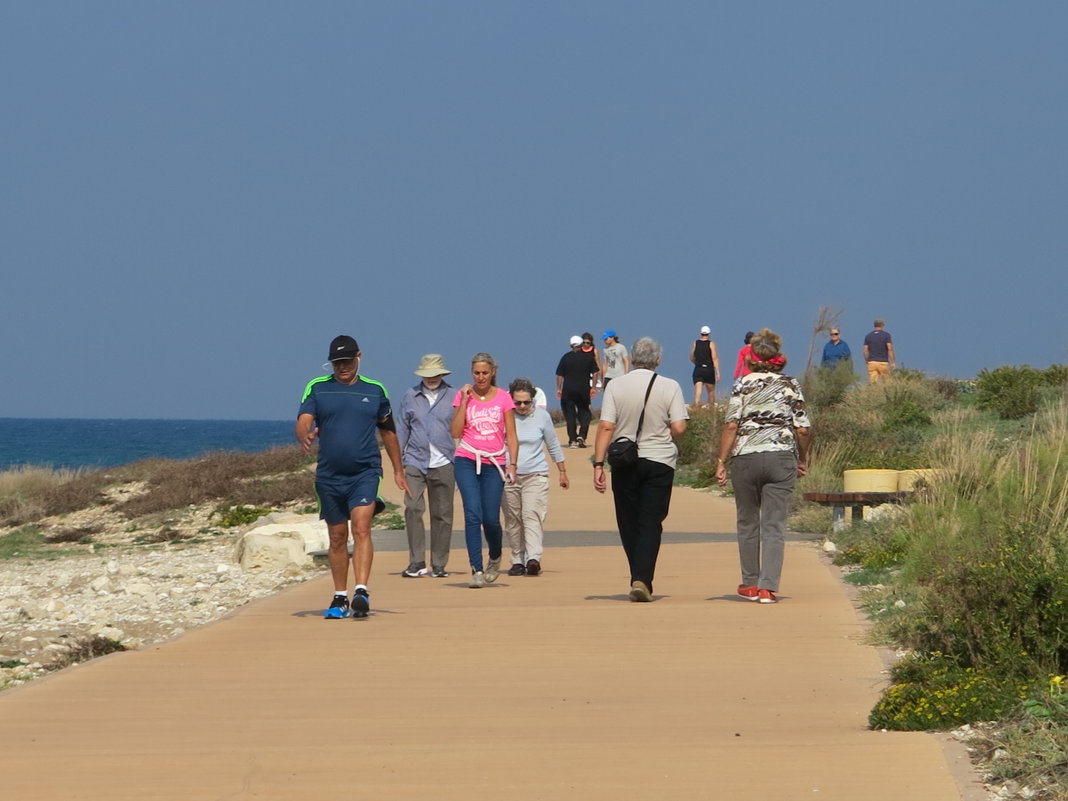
x: 534, y: 688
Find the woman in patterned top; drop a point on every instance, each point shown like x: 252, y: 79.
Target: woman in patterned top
x: 766, y: 437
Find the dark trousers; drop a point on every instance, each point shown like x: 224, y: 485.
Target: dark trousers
x: 577, y: 414
x: 642, y: 495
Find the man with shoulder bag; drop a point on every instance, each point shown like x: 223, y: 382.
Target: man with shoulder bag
x: 647, y: 410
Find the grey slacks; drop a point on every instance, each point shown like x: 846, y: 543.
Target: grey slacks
x: 763, y: 485
x: 438, y: 485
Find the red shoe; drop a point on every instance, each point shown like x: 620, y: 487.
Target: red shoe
x: 767, y: 597
x: 748, y: 592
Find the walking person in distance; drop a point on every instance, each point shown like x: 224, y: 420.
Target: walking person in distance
x: 705, y: 367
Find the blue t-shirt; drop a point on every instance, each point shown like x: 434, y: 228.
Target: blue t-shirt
x: 876, y: 342
x: 347, y: 416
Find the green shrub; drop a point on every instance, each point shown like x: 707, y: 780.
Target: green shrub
x: 905, y: 407
x: 934, y: 692
x: 22, y: 542
x: 988, y: 552
x: 871, y: 545
x: 233, y: 516
x: 1029, y: 746
x: 1012, y: 392
x: 824, y: 387
x: 700, y: 444
x: 1056, y: 375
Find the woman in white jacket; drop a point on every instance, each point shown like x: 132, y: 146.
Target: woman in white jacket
x: 526, y: 501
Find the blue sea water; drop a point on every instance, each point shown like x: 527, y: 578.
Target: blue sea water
x: 106, y: 443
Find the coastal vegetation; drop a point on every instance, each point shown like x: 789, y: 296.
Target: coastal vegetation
x: 967, y: 579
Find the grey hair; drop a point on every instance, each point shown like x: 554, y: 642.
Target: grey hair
x: 485, y: 357
x: 646, y: 352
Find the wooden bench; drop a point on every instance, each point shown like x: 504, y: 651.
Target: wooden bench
x: 838, y: 501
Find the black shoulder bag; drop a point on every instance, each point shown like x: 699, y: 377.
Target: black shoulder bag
x: 623, y: 452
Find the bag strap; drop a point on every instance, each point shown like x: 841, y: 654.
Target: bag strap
x: 641, y: 418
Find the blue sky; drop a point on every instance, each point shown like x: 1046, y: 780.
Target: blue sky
x: 197, y: 197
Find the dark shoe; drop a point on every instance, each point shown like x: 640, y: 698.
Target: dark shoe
x: 516, y: 570
x: 361, y: 602
x: 639, y: 593
x: 338, y: 609
x: 533, y: 567
x: 415, y: 570
x: 580, y: 443
x: 439, y: 572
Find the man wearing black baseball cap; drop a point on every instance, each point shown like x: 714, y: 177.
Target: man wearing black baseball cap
x: 343, y: 411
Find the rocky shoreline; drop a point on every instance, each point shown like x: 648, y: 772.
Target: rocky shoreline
x: 125, y: 589
x: 134, y: 597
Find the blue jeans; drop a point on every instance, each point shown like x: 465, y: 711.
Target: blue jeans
x: 481, y: 495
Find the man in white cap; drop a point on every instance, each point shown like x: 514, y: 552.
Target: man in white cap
x: 575, y: 390
x: 705, y: 366
x: 428, y: 450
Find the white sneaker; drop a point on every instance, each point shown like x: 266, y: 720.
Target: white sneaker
x: 478, y: 579
x: 493, y: 570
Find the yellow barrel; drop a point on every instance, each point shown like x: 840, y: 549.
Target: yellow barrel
x: 907, y: 479
x: 869, y: 481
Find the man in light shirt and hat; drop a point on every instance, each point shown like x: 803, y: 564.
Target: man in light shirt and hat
x: 427, y: 451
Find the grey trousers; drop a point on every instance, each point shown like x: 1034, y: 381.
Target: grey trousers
x: 438, y: 485
x: 763, y: 485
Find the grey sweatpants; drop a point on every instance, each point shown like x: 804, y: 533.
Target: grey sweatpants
x: 763, y: 484
x: 439, y: 485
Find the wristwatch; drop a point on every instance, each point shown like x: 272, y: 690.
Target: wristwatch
x: 598, y: 464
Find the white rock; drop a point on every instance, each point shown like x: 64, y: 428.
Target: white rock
x: 100, y: 583
x: 259, y: 550
x: 830, y: 547
x: 220, y: 569
x: 900, y: 604
x: 139, y: 588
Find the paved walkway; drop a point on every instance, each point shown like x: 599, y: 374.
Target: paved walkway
x: 554, y: 687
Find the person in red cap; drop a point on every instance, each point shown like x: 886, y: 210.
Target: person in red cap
x: 344, y: 411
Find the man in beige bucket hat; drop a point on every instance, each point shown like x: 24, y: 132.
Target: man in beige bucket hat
x: 427, y: 452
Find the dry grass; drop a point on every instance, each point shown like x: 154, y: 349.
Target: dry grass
x: 25, y: 492
x: 270, y: 478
